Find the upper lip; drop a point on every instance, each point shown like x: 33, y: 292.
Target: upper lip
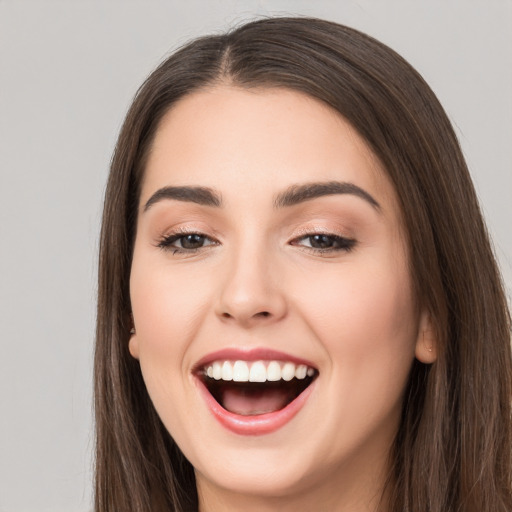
x: 252, y: 354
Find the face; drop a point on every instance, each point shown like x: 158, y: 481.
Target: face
x: 274, y: 313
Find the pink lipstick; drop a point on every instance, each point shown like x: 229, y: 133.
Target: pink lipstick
x: 254, y: 392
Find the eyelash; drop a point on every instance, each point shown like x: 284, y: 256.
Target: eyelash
x: 166, y: 242
x: 341, y: 244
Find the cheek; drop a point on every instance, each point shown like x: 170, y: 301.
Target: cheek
x: 168, y: 309
x: 167, y: 306
x: 365, y: 317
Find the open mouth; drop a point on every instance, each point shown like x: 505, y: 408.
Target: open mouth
x: 252, y: 388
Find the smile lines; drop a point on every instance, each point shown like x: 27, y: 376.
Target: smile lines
x: 257, y: 371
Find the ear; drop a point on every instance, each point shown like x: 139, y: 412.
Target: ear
x: 133, y: 346
x: 426, y: 343
x: 133, y: 343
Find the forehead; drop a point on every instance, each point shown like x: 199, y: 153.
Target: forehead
x: 226, y: 135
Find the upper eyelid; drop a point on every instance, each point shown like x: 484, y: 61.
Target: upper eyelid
x: 302, y: 233
x: 177, y: 232
x: 209, y: 233
x: 319, y: 230
x: 324, y: 233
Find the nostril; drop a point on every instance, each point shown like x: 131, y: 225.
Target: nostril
x: 242, y: 317
x: 264, y: 314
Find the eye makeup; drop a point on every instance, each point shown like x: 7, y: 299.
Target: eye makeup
x: 185, y: 241
x: 191, y: 242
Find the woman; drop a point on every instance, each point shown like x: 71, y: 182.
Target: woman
x: 299, y: 308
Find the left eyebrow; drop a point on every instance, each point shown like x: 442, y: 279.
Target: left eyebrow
x: 297, y: 194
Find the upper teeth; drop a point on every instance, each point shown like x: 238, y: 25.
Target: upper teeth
x: 257, y: 371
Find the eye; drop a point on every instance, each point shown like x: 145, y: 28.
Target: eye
x: 185, y: 242
x: 324, y: 242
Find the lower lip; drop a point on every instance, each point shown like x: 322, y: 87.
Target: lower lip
x: 254, y: 425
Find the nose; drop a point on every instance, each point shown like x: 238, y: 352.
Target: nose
x: 250, y: 293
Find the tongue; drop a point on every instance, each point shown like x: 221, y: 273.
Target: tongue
x: 245, y: 403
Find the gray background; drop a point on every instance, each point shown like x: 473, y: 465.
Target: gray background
x: 67, y: 73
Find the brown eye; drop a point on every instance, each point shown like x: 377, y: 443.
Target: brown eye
x: 185, y: 242
x: 193, y: 241
x: 322, y: 242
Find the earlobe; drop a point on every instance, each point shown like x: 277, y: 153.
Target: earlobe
x: 133, y: 346
x: 426, y: 343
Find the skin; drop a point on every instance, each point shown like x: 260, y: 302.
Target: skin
x: 259, y: 283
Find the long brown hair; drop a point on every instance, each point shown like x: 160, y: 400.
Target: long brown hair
x: 453, y: 449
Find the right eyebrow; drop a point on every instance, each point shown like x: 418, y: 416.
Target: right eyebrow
x: 199, y: 195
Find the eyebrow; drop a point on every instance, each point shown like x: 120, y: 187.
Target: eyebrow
x: 292, y: 196
x: 199, y: 195
x: 300, y: 193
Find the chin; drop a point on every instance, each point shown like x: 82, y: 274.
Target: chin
x: 259, y: 476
